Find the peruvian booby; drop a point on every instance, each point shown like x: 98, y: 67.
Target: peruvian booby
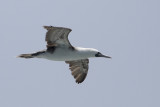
x: 60, y: 49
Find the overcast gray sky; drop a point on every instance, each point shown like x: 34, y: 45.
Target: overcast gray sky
x: 126, y: 30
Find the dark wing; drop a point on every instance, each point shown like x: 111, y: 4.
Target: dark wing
x: 79, y: 69
x: 57, y: 36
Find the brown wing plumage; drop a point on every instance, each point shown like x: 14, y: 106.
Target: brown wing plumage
x: 57, y: 36
x: 79, y: 69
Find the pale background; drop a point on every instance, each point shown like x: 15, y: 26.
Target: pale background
x: 126, y: 30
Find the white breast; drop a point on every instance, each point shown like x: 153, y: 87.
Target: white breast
x: 65, y: 54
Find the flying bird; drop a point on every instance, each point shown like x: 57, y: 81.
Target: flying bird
x: 60, y: 49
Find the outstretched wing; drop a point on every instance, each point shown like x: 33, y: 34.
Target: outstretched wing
x: 79, y: 69
x: 57, y: 36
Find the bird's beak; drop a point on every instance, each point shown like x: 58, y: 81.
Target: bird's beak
x: 101, y: 55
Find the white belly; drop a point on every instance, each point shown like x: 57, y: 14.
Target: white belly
x: 63, y: 54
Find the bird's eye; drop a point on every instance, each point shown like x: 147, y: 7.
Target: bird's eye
x: 98, y: 53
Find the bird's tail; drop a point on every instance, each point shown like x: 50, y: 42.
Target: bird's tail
x: 32, y: 55
x: 26, y: 56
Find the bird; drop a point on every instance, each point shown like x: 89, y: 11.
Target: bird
x: 60, y: 49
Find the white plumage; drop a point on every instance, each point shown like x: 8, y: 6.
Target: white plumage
x: 60, y: 49
x: 65, y: 54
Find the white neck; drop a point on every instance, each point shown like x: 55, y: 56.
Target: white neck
x: 86, y: 52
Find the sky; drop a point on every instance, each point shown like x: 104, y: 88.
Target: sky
x: 126, y: 30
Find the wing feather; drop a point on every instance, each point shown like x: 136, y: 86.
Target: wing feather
x: 79, y: 69
x: 57, y: 36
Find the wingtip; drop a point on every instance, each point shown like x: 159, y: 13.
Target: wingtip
x: 78, y: 82
x: 47, y: 27
x: 51, y: 27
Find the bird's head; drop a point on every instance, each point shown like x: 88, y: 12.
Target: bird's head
x: 90, y: 52
x: 96, y: 53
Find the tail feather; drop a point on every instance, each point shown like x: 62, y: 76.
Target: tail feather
x: 32, y: 55
x: 26, y: 56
